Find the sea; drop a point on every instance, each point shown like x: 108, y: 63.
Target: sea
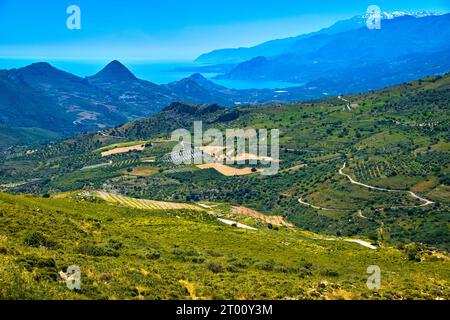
x: 159, y: 72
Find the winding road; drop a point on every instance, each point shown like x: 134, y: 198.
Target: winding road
x: 317, y: 207
x: 426, y: 202
x: 347, y: 103
x: 366, y: 244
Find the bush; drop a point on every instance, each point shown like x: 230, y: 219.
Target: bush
x: 330, y: 273
x: 99, y: 251
x: 115, y: 244
x: 266, y: 265
x: 44, y: 269
x: 31, y: 262
x: 412, y: 251
x: 37, y: 239
x: 152, y: 254
x: 188, y: 255
x: 215, y: 267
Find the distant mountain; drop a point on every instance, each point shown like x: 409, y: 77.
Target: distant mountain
x: 337, y: 57
x: 80, y: 105
x: 197, y: 89
x: 281, y: 46
x: 113, y: 72
x: 52, y: 101
x: 136, y: 98
x: 25, y: 107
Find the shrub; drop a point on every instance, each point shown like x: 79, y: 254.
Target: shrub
x: 99, y: 251
x: 152, y: 254
x: 31, y: 262
x: 37, y: 239
x: 215, y: 267
x: 188, y: 255
x: 412, y: 251
x: 115, y: 244
x: 266, y: 265
x: 44, y: 269
x: 330, y: 273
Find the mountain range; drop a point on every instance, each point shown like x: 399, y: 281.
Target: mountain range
x: 39, y: 100
x: 282, y: 46
x: 41, y: 96
x: 52, y: 102
x: 400, y: 45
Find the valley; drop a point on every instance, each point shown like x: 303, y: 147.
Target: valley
x: 383, y: 134
x: 355, y: 188
x: 308, y: 159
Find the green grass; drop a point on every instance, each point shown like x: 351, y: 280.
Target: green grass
x: 127, y: 253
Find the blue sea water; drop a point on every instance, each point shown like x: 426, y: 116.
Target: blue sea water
x: 160, y: 72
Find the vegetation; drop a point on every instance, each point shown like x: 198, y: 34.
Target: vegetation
x: 396, y: 138
x: 126, y: 253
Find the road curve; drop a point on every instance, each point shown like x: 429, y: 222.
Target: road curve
x: 426, y: 202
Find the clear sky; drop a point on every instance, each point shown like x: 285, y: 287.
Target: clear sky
x: 169, y: 29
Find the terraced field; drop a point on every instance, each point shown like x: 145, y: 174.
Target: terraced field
x: 138, y: 147
x: 144, y: 203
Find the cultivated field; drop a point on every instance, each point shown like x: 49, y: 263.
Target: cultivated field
x: 138, y: 147
x: 141, y: 171
x: 226, y: 170
x: 143, y: 203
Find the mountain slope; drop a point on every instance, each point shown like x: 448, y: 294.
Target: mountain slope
x: 72, y: 97
x: 126, y: 253
x: 280, y: 46
x: 340, y: 55
x: 23, y: 106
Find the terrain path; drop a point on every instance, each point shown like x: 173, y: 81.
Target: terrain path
x: 317, y: 207
x: 426, y: 202
x: 347, y: 103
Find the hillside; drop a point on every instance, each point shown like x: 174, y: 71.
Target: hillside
x: 126, y: 253
x: 394, y: 139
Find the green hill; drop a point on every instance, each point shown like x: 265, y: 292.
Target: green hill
x: 126, y: 253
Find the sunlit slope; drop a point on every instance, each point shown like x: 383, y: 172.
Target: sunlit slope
x: 182, y: 254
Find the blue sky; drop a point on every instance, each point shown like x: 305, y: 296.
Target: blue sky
x: 169, y: 29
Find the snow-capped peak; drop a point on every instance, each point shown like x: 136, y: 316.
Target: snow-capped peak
x: 395, y: 14
x: 417, y: 14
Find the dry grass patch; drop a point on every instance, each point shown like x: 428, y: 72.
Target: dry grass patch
x: 274, y: 220
x: 425, y: 185
x: 139, y: 147
x: 141, y: 171
x: 227, y: 170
